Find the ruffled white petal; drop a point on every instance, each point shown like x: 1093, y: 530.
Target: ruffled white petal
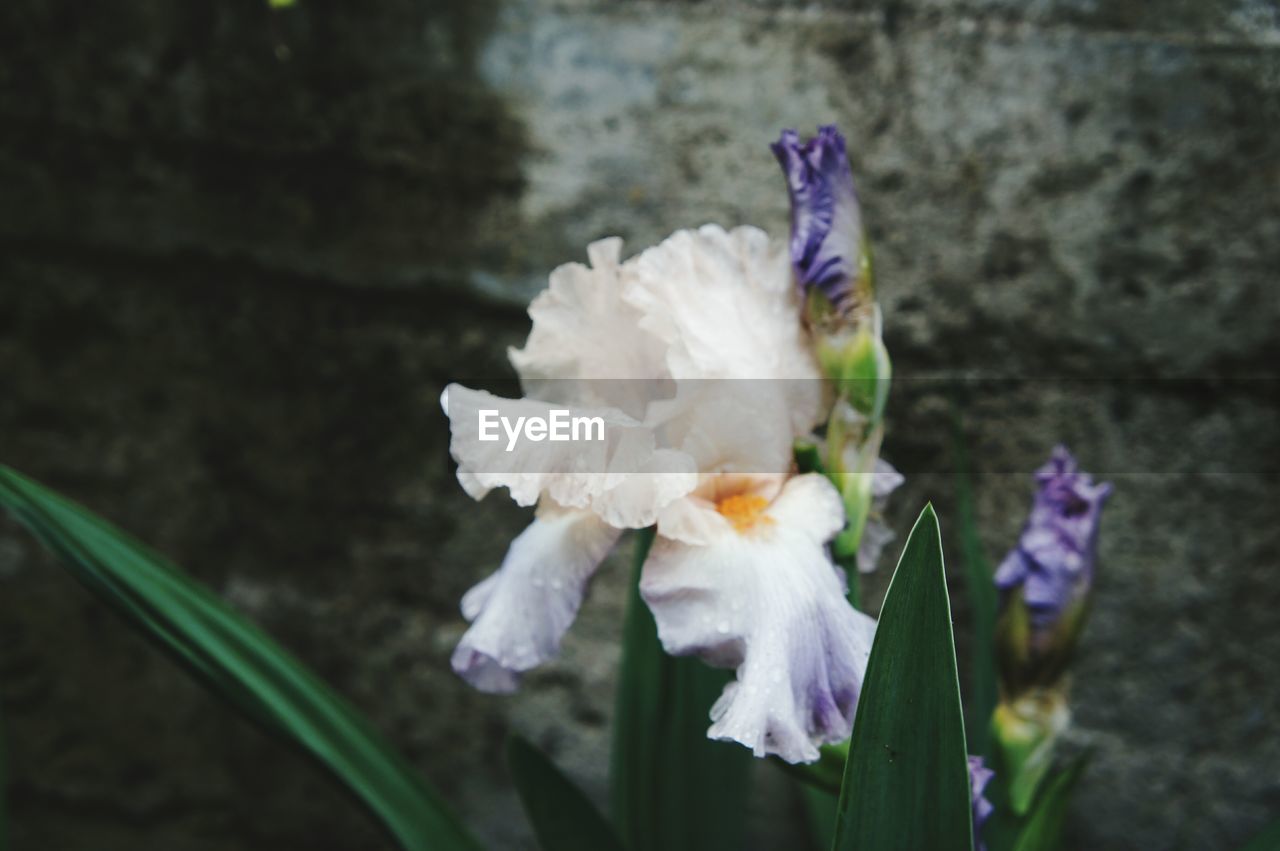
x: 623, y: 478
x: 519, y: 614
x: 730, y: 425
x: 768, y: 602
x: 723, y: 305
x: 586, y: 346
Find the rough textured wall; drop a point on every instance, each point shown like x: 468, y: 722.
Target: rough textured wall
x: 241, y: 251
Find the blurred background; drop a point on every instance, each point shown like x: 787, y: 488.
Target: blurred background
x: 243, y: 248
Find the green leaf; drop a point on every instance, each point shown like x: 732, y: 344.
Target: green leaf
x: 236, y: 661
x: 1268, y: 839
x: 562, y: 817
x: 1043, y: 829
x: 906, y: 782
x: 672, y: 788
x: 983, y: 603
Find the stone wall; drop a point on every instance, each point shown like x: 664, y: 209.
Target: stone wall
x: 241, y: 251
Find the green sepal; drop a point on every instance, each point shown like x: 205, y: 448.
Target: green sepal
x: 1025, y: 734
x: 859, y: 364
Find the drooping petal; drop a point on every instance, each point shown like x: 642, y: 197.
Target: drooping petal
x: 623, y: 477
x: 826, y: 222
x: 519, y: 613
x: 767, y: 601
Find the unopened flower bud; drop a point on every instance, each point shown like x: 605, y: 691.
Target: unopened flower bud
x: 829, y: 250
x: 1045, y: 585
x: 1047, y: 578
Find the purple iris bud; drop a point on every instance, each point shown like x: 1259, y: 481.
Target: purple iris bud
x: 827, y: 248
x: 1054, y: 559
x: 979, y: 777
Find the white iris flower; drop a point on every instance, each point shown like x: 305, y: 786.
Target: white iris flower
x: 740, y: 573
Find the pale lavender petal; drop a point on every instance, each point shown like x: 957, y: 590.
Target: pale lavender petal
x: 520, y: 613
x: 768, y: 602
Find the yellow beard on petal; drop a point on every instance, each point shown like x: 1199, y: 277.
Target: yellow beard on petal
x: 744, y: 511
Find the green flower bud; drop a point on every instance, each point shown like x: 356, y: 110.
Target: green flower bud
x: 856, y: 360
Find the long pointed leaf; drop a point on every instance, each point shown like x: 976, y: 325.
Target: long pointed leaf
x: 237, y: 661
x: 672, y: 788
x: 906, y: 783
x: 983, y: 602
x: 562, y: 817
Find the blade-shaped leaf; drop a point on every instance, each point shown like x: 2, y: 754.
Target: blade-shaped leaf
x: 562, y: 817
x: 1043, y: 829
x: 672, y: 788
x: 237, y: 661
x: 983, y: 602
x: 906, y: 782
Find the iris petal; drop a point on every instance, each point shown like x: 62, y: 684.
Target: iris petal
x: 769, y: 603
x: 519, y: 614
